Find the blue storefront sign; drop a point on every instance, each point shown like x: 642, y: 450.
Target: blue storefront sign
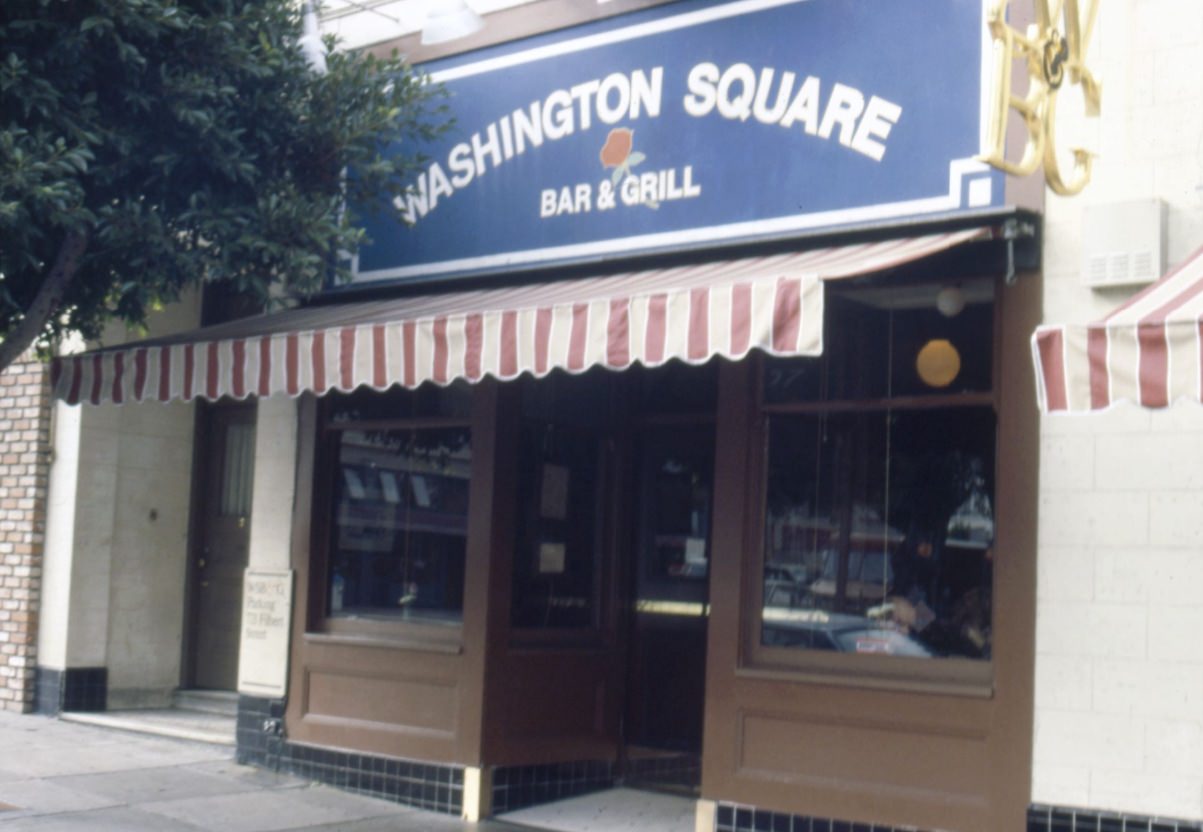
x: 691, y: 125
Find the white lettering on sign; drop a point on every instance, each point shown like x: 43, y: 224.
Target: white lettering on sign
x: 650, y: 188
x: 567, y: 200
x: 655, y: 187
x: 739, y: 93
x: 617, y: 97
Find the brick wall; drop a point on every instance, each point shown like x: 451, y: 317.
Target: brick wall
x: 24, y: 469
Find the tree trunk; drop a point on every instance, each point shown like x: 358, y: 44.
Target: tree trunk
x: 48, y: 299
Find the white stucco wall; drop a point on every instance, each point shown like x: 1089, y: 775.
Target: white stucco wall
x: 61, y: 574
x: 275, y: 483
x: 1119, y: 674
x: 149, y: 552
x: 263, y: 653
x: 116, y: 538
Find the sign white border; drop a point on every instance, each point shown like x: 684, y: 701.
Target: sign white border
x: 263, y: 659
x: 959, y: 170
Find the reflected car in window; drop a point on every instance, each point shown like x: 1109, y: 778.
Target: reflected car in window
x: 819, y: 630
x: 870, y: 578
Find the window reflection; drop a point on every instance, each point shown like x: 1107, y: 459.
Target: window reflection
x: 878, y: 532
x: 237, y: 471
x: 559, y: 537
x: 399, y: 525
x: 676, y: 478
x: 879, y: 520
x: 556, y: 557
x: 428, y: 401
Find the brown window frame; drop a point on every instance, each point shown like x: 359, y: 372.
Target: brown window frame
x: 600, y: 633
x: 321, y: 626
x: 610, y: 575
x: 947, y: 675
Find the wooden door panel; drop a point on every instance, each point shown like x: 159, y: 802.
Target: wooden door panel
x: 220, y: 558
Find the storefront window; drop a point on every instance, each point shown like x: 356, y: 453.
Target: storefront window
x: 556, y: 557
x: 427, y: 402
x: 557, y: 552
x: 677, y: 387
x: 879, y: 521
x: 677, y: 474
x: 399, y: 518
x: 872, y: 353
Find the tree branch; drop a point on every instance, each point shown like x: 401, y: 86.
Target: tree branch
x: 48, y: 299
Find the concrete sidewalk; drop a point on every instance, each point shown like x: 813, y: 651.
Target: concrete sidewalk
x: 62, y: 776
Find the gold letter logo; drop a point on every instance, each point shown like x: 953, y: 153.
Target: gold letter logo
x: 1053, y: 56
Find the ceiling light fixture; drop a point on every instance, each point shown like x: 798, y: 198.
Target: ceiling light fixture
x: 450, y: 20
x: 310, y: 42
x: 950, y: 301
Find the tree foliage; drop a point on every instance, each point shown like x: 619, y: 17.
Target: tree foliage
x: 148, y: 145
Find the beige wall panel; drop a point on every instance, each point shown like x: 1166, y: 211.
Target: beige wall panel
x: 394, y: 702
x: 556, y: 695
x: 814, y: 753
x: 425, y: 706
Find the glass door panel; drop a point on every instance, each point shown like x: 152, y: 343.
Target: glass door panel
x: 674, y: 466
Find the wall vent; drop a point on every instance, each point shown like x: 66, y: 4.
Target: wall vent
x: 1123, y: 243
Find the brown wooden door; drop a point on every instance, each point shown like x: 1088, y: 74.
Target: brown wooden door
x: 226, y: 457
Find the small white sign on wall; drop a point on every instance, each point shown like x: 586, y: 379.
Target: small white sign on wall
x: 266, y: 619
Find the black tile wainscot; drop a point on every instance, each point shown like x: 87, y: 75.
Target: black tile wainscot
x: 516, y: 787
x: 1062, y: 819
x: 734, y: 817
x: 682, y: 771
x: 73, y: 689
x: 437, y: 788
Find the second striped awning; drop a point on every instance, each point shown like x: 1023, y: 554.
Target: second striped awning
x: 692, y: 313
x: 1148, y: 352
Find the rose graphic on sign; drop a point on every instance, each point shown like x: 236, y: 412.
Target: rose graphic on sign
x: 617, y: 153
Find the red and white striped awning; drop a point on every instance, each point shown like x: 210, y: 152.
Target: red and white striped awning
x: 1149, y: 351
x: 692, y: 313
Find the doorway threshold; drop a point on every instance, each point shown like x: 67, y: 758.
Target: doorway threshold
x: 612, y: 810
x: 199, y: 716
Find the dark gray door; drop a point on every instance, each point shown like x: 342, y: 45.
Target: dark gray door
x: 674, y: 466
x: 227, y: 457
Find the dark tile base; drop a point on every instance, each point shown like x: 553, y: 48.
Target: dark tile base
x: 260, y: 742
x: 516, y: 787
x: 1062, y: 819
x: 73, y: 689
x: 735, y: 817
x: 732, y: 817
x: 675, y: 771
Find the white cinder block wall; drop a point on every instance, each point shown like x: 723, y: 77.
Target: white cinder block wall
x: 272, y: 511
x: 149, y: 552
x: 117, y: 537
x: 275, y: 484
x: 1119, y: 667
